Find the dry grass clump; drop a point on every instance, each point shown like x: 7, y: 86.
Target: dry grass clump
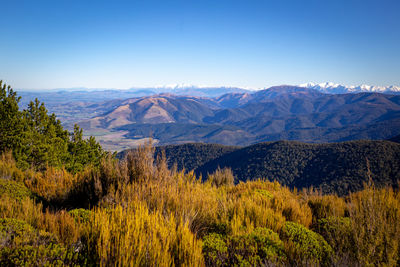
x: 133, y: 236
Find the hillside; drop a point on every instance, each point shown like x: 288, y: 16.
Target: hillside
x: 189, y: 156
x: 395, y: 139
x: 337, y: 167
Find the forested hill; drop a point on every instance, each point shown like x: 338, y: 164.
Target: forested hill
x: 191, y: 155
x: 395, y: 139
x: 335, y: 167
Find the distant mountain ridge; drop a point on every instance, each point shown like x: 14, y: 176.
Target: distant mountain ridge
x: 334, y: 88
x: 277, y: 113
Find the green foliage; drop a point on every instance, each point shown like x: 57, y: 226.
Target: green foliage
x: 81, y: 215
x: 10, y: 119
x: 42, y: 255
x: 259, y: 247
x: 22, y: 245
x: 308, y: 246
x: 14, y: 189
x: 38, y: 140
x: 337, y: 231
x: 215, y: 250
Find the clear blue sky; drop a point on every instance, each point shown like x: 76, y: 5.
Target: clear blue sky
x: 120, y: 44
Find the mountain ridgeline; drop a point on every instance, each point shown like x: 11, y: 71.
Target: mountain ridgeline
x: 277, y: 113
x: 334, y: 167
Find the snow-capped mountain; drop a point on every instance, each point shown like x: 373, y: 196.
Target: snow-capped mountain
x: 334, y: 88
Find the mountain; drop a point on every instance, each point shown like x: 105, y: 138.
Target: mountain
x: 335, y: 168
x: 154, y: 110
x: 278, y: 113
x: 333, y: 88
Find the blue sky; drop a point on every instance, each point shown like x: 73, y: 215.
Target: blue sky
x: 121, y: 44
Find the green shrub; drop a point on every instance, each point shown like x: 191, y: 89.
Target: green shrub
x: 337, y: 231
x: 306, y: 246
x: 14, y: 233
x: 261, y: 246
x: 215, y: 250
x: 42, y: 255
x: 264, y: 193
x: 80, y: 215
x: 23, y: 245
x: 14, y: 189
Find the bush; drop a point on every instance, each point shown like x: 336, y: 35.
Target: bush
x: 337, y: 231
x: 326, y: 206
x: 261, y: 246
x: 80, y: 215
x: 305, y: 246
x: 375, y: 217
x: 8, y: 168
x: 23, y: 245
x: 221, y: 177
x: 215, y: 250
x: 14, y: 189
x: 42, y: 255
x: 133, y: 236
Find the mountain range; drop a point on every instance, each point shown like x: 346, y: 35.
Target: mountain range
x: 277, y: 113
x: 334, y: 88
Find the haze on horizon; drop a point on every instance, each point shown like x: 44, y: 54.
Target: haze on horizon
x: 251, y: 44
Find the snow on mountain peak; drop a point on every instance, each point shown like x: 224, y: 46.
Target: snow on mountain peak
x: 334, y: 88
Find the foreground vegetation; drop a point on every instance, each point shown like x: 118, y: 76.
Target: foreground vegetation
x: 138, y: 212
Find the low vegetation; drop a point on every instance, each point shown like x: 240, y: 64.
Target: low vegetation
x: 138, y: 212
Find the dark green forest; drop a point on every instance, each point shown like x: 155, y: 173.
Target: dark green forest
x: 334, y: 168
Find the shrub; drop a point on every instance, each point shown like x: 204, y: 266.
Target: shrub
x: 221, y: 177
x: 80, y: 215
x: 337, y: 231
x: 326, y: 206
x: 133, y: 236
x: 42, y: 255
x: 52, y: 185
x: 305, y: 246
x: 215, y: 250
x: 8, y: 168
x: 259, y: 247
x: 23, y: 245
x: 375, y: 217
x: 14, y: 189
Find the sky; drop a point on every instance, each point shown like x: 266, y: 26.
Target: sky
x: 249, y: 43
